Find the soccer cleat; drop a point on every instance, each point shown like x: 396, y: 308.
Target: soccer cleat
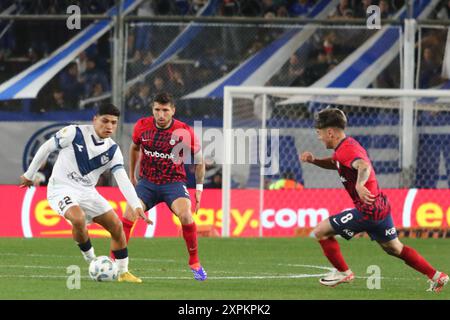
x: 199, y: 273
x: 334, y: 278
x: 88, y: 258
x: 439, y: 283
x: 128, y: 277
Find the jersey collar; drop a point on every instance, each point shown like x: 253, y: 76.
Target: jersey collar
x: 340, y: 143
x: 170, y: 126
x: 96, y: 139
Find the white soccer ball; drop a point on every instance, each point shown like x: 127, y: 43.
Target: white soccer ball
x: 102, y: 268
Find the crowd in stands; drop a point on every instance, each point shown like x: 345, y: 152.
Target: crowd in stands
x: 89, y: 75
x: 245, y: 8
x: 24, y: 43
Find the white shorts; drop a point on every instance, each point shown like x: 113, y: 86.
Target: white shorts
x: 61, y: 198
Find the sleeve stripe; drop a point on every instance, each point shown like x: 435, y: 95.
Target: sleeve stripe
x: 117, y: 167
x: 57, y: 142
x: 357, y: 158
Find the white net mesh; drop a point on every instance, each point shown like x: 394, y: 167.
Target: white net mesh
x: 418, y: 157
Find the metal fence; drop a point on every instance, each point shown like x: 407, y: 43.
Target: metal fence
x: 217, y: 47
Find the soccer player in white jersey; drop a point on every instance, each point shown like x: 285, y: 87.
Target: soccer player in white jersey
x: 86, y: 151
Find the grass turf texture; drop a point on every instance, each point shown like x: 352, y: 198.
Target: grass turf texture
x: 245, y: 268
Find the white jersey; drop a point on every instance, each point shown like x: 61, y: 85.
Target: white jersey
x: 84, y: 156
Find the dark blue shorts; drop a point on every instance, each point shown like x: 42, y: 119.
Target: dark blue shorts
x: 152, y: 194
x: 350, y: 222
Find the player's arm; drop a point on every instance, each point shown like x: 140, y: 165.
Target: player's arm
x: 134, y: 157
x: 363, y: 175
x: 27, y: 179
x: 199, y: 177
x: 326, y: 163
x: 129, y: 192
x: 62, y: 139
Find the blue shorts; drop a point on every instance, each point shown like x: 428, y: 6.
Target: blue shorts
x: 152, y: 194
x: 350, y: 222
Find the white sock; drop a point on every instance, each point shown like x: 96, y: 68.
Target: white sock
x: 89, y: 255
x: 122, y: 265
x: 436, y: 276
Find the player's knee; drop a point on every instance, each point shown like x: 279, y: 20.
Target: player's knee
x: 318, y: 233
x: 116, y: 229
x: 185, y: 217
x: 78, y: 222
x: 393, y: 250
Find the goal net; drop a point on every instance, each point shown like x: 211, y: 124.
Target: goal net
x: 267, y: 191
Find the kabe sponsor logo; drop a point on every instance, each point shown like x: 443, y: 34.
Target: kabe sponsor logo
x: 348, y: 232
x: 390, y: 232
x: 157, y: 154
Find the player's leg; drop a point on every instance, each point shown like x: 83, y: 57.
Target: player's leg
x: 413, y: 259
x: 325, y: 235
x: 181, y: 207
x: 129, y: 219
x: 385, y: 234
x: 147, y: 194
x: 80, y: 234
x: 111, y: 222
x: 100, y: 211
x: 66, y: 202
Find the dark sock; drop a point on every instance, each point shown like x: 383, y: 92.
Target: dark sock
x: 121, y: 253
x: 85, y: 246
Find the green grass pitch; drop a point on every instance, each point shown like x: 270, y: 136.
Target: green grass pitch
x: 244, y: 268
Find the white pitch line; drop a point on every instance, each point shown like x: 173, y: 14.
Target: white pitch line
x: 292, y: 276
x: 306, y: 266
x: 274, y: 277
x: 258, y: 276
x: 71, y: 256
x: 31, y: 267
x: 387, y: 278
x: 250, y: 274
x: 43, y: 276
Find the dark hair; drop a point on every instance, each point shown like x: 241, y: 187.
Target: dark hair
x: 163, y: 98
x: 330, y: 117
x: 109, y: 109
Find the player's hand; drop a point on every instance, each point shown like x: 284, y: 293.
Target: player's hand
x: 133, y: 180
x: 24, y: 182
x: 141, y: 214
x: 364, y: 194
x: 307, y: 157
x: 198, y: 197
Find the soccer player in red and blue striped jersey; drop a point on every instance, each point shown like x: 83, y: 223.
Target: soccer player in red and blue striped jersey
x: 372, y: 212
x: 163, y: 144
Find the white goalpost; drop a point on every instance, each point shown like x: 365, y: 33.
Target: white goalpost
x: 387, y: 121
